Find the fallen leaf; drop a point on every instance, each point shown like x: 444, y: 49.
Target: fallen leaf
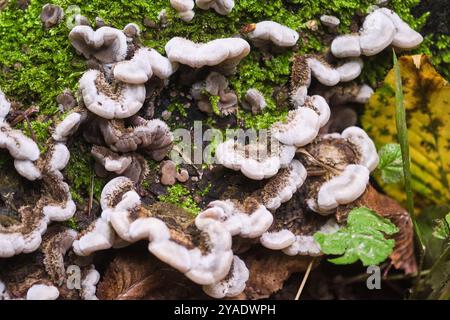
x: 137, y: 275
x: 269, y: 270
x: 426, y: 99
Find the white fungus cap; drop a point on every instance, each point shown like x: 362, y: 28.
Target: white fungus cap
x: 5, y: 106
x: 323, y: 72
x: 350, y: 70
x: 118, y: 106
x: 20, y: 147
x: 202, y: 268
x: 274, y: 32
x: 4, y: 295
x: 364, y: 94
x: 377, y: 33
x: 405, y: 37
x: 365, y: 147
x: 342, y: 189
x: 222, y: 7
x: 306, y: 245
x: 99, y: 237
x: 346, y: 46
x: 89, y: 284
x: 107, y: 44
x: 213, y: 53
x: 254, y: 160
x: 282, y: 187
x: 68, y: 126
x: 232, y: 217
x: 142, y: 66
x: 27, y: 169
x: 14, y: 243
x: 184, y: 8
x: 233, y: 284
x: 42, y: 292
x: 277, y: 240
x: 330, y: 21
x: 301, y: 127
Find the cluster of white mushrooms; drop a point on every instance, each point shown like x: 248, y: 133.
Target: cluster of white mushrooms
x: 112, y: 97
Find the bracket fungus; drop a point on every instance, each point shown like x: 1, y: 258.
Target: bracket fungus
x: 106, y: 44
x: 152, y: 137
x: 225, y: 53
x: 282, y: 187
x: 202, y: 252
x: 130, y: 165
x: 306, y: 66
x: 55, y: 203
x: 215, y: 85
x: 352, y: 156
x: 254, y: 101
x: 256, y: 160
x: 380, y: 29
x: 142, y: 66
x: 100, y: 98
x: 222, y: 7
x: 185, y: 9
x: 170, y: 173
x: 249, y: 219
x: 42, y: 292
x: 233, y: 284
x: 273, y: 32
x: 51, y: 15
x: 302, y: 125
x: 331, y: 22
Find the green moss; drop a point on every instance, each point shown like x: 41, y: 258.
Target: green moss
x: 180, y: 196
x: 80, y: 175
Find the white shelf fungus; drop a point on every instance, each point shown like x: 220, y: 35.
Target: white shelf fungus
x: 342, y: 189
x: 282, y: 187
x: 185, y: 9
x: 233, y: 284
x: 248, y: 220
x: 255, y: 160
x: 365, y: 146
x: 270, y: 31
x: 302, y: 125
x: 142, y: 66
x: 380, y: 29
x: 42, y: 292
x: 222, y: 7
x: 124, y: 216
x: 100, y: 98
x: 106, y: 44
x: 227, y: 52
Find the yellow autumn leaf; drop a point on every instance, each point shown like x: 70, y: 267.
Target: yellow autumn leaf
x: 427, y: 104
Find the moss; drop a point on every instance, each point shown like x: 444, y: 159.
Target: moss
x: 80, y: 175
x: 214, y: 100
x: 180, y: 196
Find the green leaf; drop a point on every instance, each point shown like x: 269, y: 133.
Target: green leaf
x: 391, y: 165
x: 441, y: 229
x: 362, y: 239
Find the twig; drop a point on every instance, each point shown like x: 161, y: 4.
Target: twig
x: 23, y: 115
x: 317, y: 162
x: 305, y: 277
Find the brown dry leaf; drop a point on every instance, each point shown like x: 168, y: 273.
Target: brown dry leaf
x: 269, y: 270
x: 403, y: 255
x: 137, y: 275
